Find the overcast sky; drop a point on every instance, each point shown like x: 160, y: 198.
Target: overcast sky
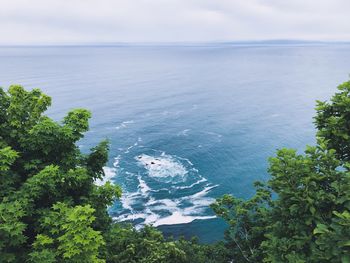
x: 91, y: 21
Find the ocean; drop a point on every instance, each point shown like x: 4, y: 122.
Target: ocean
x: 186, y: 123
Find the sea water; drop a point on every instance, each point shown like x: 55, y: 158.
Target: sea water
x: 186, y: 123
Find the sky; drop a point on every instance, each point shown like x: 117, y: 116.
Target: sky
x: 112, y: 21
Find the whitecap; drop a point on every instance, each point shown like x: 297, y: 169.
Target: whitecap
x: 184, y: 132
x: 177, y: 215
x: 116, y: 161
x: 130, y: 217
x: 201, y: 193
x: 202, y: 202
x: 165, y: 204
x: 144, y: 188
x: 162, y: 167
x: 127, y: 201
x: 124, y: 124
x: 191, y: 185
x: 159, y: 190
x: 151, y: 218
x: 130, y: 147
x: 179, y: 218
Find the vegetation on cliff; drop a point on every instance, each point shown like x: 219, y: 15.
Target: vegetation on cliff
x: 51, y: 210
x: 302, y: 214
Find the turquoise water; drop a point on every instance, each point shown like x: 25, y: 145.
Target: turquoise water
x: 186, y: 123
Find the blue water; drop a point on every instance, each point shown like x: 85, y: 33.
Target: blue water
x: 186, y: 123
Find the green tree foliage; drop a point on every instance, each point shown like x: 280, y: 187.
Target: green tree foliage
x: 12, y: 238
x: 51, y: 210
x: 307, y: 220
x: 247, y: 223
x: 50, y: 205
x: 333, y: 121
x: 148, y: 245
x: 68, y: 236
x: 309, y: 189
x: 333, y: 239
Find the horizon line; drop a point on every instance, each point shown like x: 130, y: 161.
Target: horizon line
x: 181, y: 43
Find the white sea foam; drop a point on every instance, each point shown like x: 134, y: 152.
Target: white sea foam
x: 201, y: 193
x: 164, y: 166
x: 159, y: 190
x: 124, y: 124
x: 129, y: 198
x: 184, y: 132
x: 178, y: 215
x: 144, y: 188
x: 130, y: 217
x: 151, y: 218
x: 109, y: 174
x: 130, y: 147
x: 148, y: 216
x: 127, y: 201
x: 201, y: 204
x: 191, y: 185
x: 167, y: 204
x: 146, y: 206
x: 116, y: 161
x: 179, y: 218
x: 190, y: 163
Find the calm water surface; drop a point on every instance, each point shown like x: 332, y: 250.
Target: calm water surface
x: 186, y: 123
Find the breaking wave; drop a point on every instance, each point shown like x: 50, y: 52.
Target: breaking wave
x: 161, y: 189
x: 163, y: 167
x: 124, y: 124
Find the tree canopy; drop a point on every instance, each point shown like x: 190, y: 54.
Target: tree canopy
x: 302, y: 213
x: 49, y: 199
x: 52, y: 211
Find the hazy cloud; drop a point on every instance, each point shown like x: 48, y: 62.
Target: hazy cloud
x: 82, y: 21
